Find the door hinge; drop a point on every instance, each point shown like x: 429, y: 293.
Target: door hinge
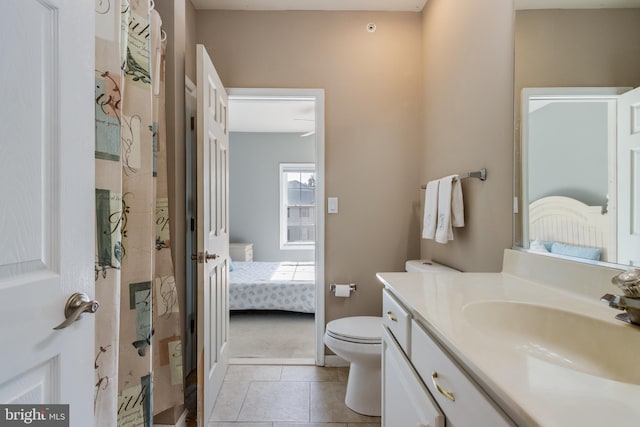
x: 192, y: 326
x: 193, y: 123
x: 193, y: 224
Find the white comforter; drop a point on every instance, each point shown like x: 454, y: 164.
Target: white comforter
x: 272, y: 286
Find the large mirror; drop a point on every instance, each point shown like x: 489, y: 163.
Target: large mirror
x: 574, y: 177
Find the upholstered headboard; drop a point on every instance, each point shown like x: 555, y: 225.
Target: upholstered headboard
x: 566, y: 220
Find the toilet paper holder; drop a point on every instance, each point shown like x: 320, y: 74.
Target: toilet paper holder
x: 332, y: 287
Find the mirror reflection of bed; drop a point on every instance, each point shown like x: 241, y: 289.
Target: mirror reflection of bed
x: 272, y: 309
x: 578, y: 169
x: 567, y: 227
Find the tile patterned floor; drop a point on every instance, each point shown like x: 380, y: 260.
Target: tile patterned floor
x: 285, y: 396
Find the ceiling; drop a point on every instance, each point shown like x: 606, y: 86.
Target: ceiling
x: 395, y: 5
x: 259, y: 115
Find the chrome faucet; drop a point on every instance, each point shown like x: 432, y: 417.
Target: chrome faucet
x: 629, y: 283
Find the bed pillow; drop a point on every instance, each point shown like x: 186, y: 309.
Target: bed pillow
x: 539, y: 246
x: 575, y: 251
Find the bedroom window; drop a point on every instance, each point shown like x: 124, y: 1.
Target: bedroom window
x: 297, y: 205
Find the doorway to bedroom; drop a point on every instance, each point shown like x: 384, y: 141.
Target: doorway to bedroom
x: 276, y: 223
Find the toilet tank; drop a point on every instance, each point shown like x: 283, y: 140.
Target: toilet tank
x: 427, y: 266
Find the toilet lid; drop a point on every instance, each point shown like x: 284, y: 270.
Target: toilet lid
x: 360, y: 329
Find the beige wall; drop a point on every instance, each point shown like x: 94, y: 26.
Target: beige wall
x: 373, y: 92
x: 577, y: 48
x: 468, y: 122
x: 190, y: 42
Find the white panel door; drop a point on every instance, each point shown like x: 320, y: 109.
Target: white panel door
x: 47, y: 209
x: 212, y: 231
x: 629, y: 178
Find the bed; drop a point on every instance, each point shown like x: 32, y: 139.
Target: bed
x: 566, y: 226
x: 258, y: 285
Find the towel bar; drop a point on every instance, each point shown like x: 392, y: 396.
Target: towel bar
x: 481, y: 174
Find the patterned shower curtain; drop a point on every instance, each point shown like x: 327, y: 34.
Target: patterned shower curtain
x: 138, y: 361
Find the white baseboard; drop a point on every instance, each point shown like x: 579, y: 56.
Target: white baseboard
x: 182, y: 421
x: 264, y: 361
x: 333, y: 361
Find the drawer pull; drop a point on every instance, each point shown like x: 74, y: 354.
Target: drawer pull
x: 391, y: 316
x: 445, y: 393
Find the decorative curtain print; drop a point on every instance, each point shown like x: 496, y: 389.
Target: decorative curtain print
x: 132, y: 223
x: 110, y: 216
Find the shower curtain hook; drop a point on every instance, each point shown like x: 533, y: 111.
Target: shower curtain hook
x: 164, y: 36
x: 152, y: 5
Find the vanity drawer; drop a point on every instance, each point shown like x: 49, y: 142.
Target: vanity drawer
x: 441, y: 375
x: 396, y: 318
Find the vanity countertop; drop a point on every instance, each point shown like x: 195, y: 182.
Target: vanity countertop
x: 547, y: 356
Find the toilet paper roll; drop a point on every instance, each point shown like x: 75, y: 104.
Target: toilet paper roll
x: 343, y: 291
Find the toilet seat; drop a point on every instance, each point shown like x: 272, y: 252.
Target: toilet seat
x: 357, y: 329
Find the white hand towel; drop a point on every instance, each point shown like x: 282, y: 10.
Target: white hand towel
x: 450, y: 208
x: 430, y: 210
x: 457, y: 204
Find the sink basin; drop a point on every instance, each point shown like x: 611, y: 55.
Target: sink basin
x: 571, y: 340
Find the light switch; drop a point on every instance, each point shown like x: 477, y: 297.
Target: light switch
x: 332, y: 205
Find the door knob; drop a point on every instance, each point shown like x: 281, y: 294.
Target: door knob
x: 77, y: 304
x: 203, y: 257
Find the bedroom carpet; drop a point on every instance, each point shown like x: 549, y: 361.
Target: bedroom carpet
x: 271, y: 335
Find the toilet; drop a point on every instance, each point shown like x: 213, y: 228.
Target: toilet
x: 358, y: 340
x: 427, y: 266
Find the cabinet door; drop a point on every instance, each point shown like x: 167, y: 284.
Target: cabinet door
x: 464, y: 403
x: 405, y: 400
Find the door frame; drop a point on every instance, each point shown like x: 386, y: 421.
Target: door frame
x: 316, y: 95
x: 191, y: 270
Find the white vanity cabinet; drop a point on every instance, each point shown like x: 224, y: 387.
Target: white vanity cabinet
x: 406, y: 401
x: 421, y: 385
x: 457, y: 395
x: 396, y: 318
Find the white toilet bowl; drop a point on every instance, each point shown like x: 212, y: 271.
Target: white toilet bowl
x: 358, y: 341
